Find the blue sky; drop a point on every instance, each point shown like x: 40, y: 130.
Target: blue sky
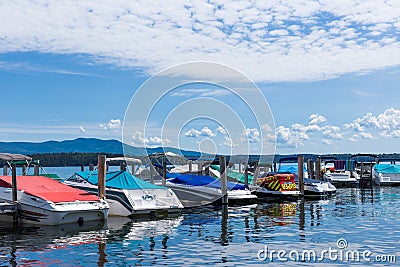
x: 329, y: 70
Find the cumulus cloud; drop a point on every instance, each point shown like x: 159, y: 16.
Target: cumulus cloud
x: 251, y: 135
x: 112, y: 124
x: 228, y: 142
x: 206, y: 132
x: 221, y: 130
x: 288, y: 40
x: 316, y: 119
x: 138, y: 138
x: 387, y: 123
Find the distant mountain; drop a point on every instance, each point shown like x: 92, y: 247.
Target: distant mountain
x: 84, y: 145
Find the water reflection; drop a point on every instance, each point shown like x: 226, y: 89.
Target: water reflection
x: 212, y: 236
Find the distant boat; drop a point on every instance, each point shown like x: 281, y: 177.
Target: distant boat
x: 312, y: 187
x: 335, y: 172
x: 45, y: 201
x: 128, y: 195
x: 199, y: 190
x: 386, y: 172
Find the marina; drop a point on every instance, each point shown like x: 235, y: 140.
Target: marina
x: 172, y: 238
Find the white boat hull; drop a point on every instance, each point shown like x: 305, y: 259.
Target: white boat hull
x: 124, y: 202
x: 34, y: 210
x: 386, y: 178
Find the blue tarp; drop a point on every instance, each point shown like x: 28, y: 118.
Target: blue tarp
x: 387, y: 168
x: 119, y: 179
x: 204, y: 180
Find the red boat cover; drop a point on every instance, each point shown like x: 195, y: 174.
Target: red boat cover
x: 48, y: 189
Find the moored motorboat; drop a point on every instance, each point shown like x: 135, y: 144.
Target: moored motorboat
x: 128, y: 195
x: 386, y: 172
x: 45, y: 201
x: 199, y: 190
x: 312, y: 187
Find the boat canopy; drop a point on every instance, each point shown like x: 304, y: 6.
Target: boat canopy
x: 234, y: 175
x: 387, y: 168
x: 118, y: 179
x: 204, y: 180
x: 48, y: 189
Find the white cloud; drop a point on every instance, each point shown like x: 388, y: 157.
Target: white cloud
x: 316, y: 119
x: 228, y: 142
x: 112, y: 124
x: 138, y: 138
x: 387, y: 123
x: 304, y: 38
x: 221, y: 130
x: 332, y: 132
x: 201, y: 92
x: 251, y: 135
x: 193, y: 133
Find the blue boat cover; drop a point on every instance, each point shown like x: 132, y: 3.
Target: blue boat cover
x: 387, y: 168
x: 292, y: 168
x: 204, y: 180
x: 119, y: 179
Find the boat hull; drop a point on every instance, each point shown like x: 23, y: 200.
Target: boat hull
x: 34, y: 210
x: 386, y: 179
x: 124, y: 202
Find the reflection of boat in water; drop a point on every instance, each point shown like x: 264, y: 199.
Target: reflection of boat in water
x: 278, y: 214
x: 45, y: 239
x: 128, y: 195
x: 128, y: 229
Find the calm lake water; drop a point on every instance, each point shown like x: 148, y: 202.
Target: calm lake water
x: 363, y: 222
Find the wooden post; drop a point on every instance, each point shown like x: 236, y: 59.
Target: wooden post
x: 91, y: 167
x: 300, y: 163
x: 318, y: 169
x: 151, y: 173
x: 36, y: 170
x: 82, y: 168
x: 274, y: 166
x: 224, y: 188
x: 190, y: 166
x: 23, y: 170
x: 240, y: 167
x: 5, y: 169
x: 101, y: 168
x: 199, y: 168
x: 309, y: 168
x: 14, y: 191
x: 246, y: 175
x: 164, y: 173
x: 256, y: 173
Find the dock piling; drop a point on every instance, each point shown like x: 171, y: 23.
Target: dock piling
x: 318, y: 169
x: 246, y: 175
x: 164, y: 173
x: 101, y: 168
x: 91, y: 167
x: 14, y: 191
x: 224, y: 189
x: 36, y: 170
x: 300, y: 162
x: 5, y: 169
